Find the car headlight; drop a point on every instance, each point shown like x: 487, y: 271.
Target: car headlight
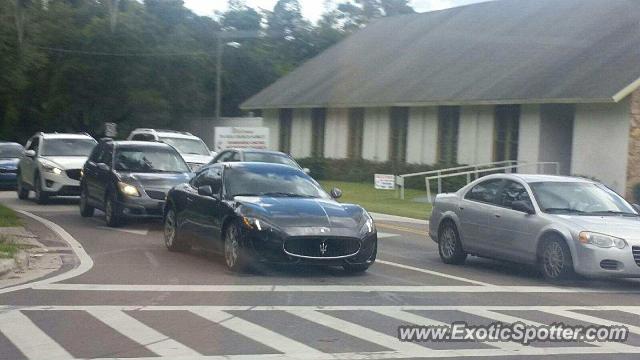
x: 253, y: 223
x: 601, y: 240
x: 128, y: 189
x: 50, y: 168
x: 368, y: 227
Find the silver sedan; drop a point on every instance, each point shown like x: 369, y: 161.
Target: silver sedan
x: 562, y: 224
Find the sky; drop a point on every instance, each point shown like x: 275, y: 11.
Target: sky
x: 313, y: 9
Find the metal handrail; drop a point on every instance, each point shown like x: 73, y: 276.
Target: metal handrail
x: 469, y: 173
x: 400, y: 178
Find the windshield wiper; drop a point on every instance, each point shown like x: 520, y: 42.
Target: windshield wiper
x: 286, y: 194
x: 568, y: 210
x: 613, y: 212
x: 246, y: 194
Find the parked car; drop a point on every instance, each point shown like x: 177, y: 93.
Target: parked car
x: 256, y: 155
x: 562, y: 224
x: 261, y: 212
x: 127, y: 179
x: 194, y: 151
x: 10, y: 154
x: 51, y: 165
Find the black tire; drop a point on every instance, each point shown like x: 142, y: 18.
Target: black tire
x: 86, y: 210
x: 172, y: 238
x: 235, y: 257
x: 21, y: 189
x: 42, y: 197
x: 449, y: 245
x: 360, y: 268
x: 112, y: 212
x: 556, y: 263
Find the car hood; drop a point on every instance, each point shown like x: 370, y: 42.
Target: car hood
x: 9, y: 163
x: 197, y: 159
x: 627, y: 228
x: 159, y: 181
x: 67, y: 162
x: 302, y: 216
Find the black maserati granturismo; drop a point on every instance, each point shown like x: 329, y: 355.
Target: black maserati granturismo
x: 262, y: 212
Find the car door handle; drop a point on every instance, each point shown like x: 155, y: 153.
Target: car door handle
x: 461, y: 207
x: 497, y: 215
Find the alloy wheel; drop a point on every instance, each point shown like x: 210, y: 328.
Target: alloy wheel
x: 231, y: 248
x: 108, y: 213
x: 170, y: 228
x: 553, y: 260
x: 448, y: 242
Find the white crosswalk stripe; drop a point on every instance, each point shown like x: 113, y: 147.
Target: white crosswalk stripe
x: 34, y: 343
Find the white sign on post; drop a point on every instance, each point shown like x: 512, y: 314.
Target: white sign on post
x: 110, y: 129
x: 241, y: 138
x: 385, y: 182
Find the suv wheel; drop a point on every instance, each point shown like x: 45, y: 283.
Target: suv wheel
x: 449, y: 245
x: 112, y: 212
x: 22, y: 190
x: 86, y: 210
x: 42, y: 197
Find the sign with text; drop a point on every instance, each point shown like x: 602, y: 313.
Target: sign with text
x: 241, y: 138
x: 110, y: 129
x: 385, y: 182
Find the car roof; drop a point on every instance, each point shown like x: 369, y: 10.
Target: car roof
x: 147, y: 144
x: 65, y: 136
x: 10, y: 143
x: 259, y: 165
x: 166, y: 133
x: 257, y: 151
x: 535, y: 178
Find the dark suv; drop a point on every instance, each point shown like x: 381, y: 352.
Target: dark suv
x: 130, y: 179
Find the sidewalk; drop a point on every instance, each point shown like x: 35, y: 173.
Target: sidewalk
x: 385, y: 217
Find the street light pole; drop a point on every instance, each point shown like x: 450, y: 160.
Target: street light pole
x: 218, y: 77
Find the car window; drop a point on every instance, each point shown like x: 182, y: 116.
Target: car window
x: 211, y: 176
x: 10, y: 151
x: 235, y: 156
x: 187, y: 146
x: 68, y: 147
x: 149, y: 160
x: 143, y: 137
x: 511, y: 192
x: 224, y: 156
x: 269, y: 158
x: 34, y: 144
x: 486, y: 191
x: 96, y: 153
x: 106, y: 157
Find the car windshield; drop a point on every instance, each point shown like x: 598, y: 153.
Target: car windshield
x: 10, y: 151
x: 579, y: 198
x: 68, y: 147
x: 149, y: 160
x: 269, y: 158
x: 187, y: 146
x: 268, y: 181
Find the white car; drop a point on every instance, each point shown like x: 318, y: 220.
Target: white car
x: 51, y: 165
x: 193, y: 150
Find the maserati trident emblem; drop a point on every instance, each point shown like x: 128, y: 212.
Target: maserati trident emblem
x: 323, y: 248
x: 324, y: 230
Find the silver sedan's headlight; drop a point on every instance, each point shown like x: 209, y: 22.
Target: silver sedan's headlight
x: 601, y: 240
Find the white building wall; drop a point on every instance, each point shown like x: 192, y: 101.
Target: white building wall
x: 475, y: 136
x: 301, y: 133
x: 271, y: 120
x: 601, y: 143
x: 529, y: 137
x: 336, y: 134
x: 375, y: 146
x: 556, y: 135
x: 422, y: 139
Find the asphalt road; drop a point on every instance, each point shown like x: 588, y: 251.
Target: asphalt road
x: 123, y: 295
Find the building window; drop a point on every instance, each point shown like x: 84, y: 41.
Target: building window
x: 356, y: 132
x: 398, y: 128
x: 507, y: 128
x: 318, y: 120
x: 286, y: 115
x: 448, y: 127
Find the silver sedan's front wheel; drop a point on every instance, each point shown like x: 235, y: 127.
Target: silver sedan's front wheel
x: 555, y: 260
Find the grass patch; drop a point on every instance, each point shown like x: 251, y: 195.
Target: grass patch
x: 7, y: 248
x: 8, y: 217
x: 381, y: 201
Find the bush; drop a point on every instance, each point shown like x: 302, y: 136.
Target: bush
x: 358, y: 170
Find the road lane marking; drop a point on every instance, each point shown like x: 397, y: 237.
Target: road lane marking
x: 29, y: 339
x: 123, y: 230
x: 592, y: 319
x: 423, y: 321
x: 360, y: 332
x: 142, y: 334
x: 431, y: 272
x: 394, y: 218
x: 86, y: 263
x: 403, y: 229
x: 256, y: 332
x: 383, y: 235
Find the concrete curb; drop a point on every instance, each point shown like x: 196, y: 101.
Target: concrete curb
x: 6, y: 266
x: 385, y: 217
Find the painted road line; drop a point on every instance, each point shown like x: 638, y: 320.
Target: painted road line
x: 361, y: 332
x: 431, y: 272
x: 401, y: 219
x: 86, y: 263
x: 411, y: 318
x: 592, y: 319
x: 402, y: 229
x: 383, y: 235
x: 326, y: 288
x: 29, y: 339
x: 256, y: 332
x: 135, y: 330
x: 127, y: 231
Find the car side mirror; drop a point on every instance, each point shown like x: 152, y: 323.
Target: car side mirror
x: 206, y: 190
x: 103, y: 167
x: 336, y: 193
x: 30, y: 153
x: 306, y: 171
x: 523, y: 206
x: 636, y: 207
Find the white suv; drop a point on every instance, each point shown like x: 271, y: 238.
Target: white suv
x: 51, y: 165
x: 193, y: 150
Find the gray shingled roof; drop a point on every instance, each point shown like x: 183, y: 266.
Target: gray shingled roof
x: 509, y: 51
